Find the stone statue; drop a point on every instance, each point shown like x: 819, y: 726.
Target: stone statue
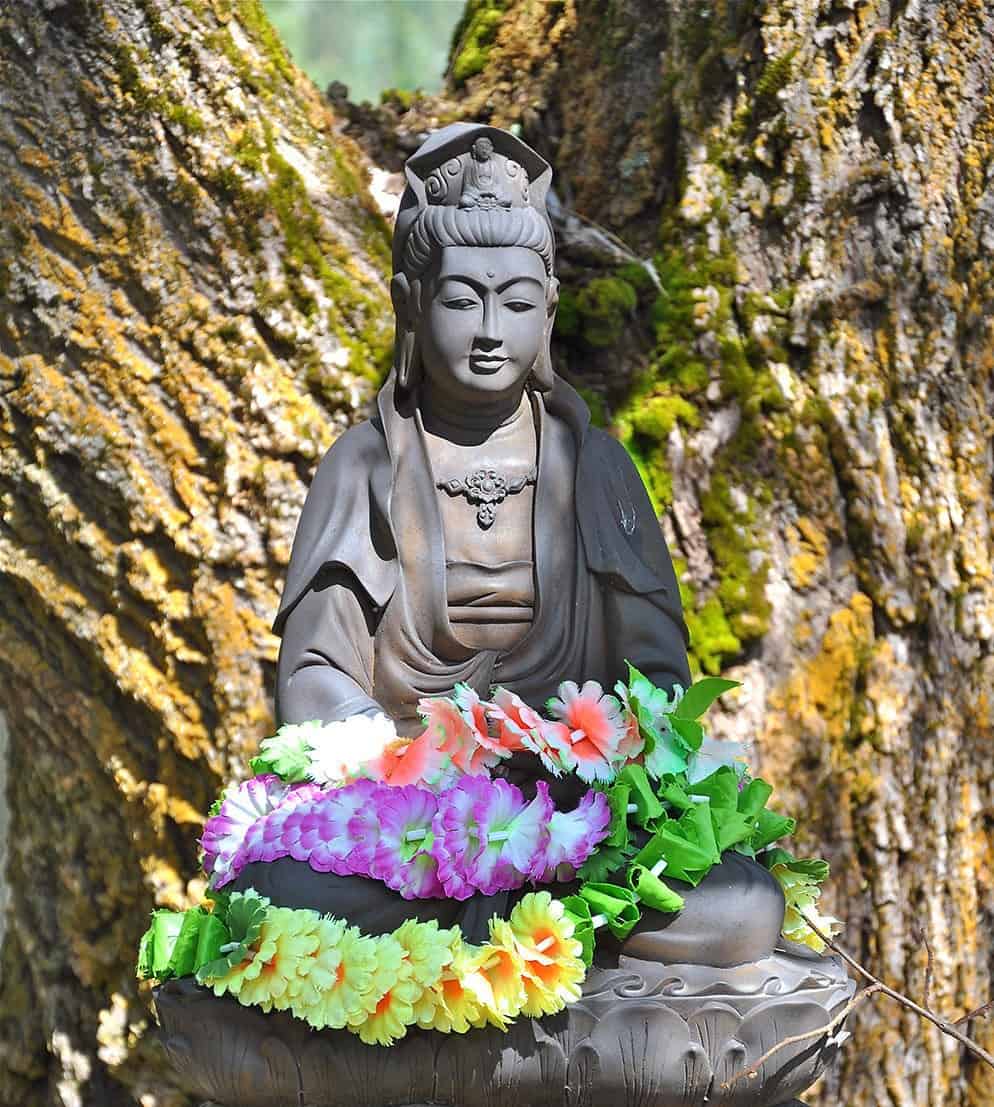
x: 479, y: 530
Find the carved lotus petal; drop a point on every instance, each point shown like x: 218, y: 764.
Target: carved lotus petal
x: 639, y: 1055
x: 790, y: 1070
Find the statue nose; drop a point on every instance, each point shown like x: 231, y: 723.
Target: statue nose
x: 489, y: 333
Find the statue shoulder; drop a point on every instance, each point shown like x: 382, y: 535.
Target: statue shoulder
x: 344, y: 521
x: 360, y: 449
x: 621, y: 533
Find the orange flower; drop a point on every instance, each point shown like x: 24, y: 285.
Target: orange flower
x: 453, y: 735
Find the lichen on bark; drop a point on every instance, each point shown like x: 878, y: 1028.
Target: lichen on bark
x: 192, y: 278
x: 808, y: 395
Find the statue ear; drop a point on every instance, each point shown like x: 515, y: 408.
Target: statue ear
x: 406, y: 304
x: 542, y: 369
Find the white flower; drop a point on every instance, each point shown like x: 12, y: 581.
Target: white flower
x: 713, y: 754
x: 338, y: 751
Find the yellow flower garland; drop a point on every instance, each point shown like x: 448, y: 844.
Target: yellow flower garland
x: 330, y: 975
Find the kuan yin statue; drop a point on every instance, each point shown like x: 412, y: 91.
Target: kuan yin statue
x: 478, y: 531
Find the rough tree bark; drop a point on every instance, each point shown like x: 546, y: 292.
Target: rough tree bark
x: 192, y: 304
x: 192, y: 293
x: 811, y: 401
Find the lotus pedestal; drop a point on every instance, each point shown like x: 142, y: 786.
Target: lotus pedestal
x: 643, y: 1035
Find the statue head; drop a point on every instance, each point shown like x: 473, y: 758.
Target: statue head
x: 474, y: 289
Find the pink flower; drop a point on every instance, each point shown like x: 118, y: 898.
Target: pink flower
x: 474, y: 711
x: 407, y: 866
x: 454, y: 736
x: 520, y: 727
x: 514, y: 719
x: 325, y: 832
x: 595, y: 726
x: 243, y: 805
x: 421, y: 761
x: 554, y: 746
x: 457, y: 834
x: 513, y: 837
x: 574, y: 835
x: 366, y: 801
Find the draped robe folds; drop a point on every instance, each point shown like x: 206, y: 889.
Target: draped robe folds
x: 364, y: 615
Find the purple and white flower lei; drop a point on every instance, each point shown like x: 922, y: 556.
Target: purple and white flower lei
x: 479, y: 835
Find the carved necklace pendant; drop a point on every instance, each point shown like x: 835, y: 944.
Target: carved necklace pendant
x: 488, y: 489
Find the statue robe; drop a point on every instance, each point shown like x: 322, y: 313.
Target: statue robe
x: 364, y: 614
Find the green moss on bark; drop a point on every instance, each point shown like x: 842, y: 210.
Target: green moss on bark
x: 605, y: 306
x: 475, y: 33
x: 698, y: 298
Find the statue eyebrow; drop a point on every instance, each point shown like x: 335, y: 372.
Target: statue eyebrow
x: 515, y: 280
x: 478, y: 286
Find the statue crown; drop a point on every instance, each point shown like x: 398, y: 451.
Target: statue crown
x: 479, y: 178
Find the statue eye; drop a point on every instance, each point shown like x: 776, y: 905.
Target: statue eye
x: 460, y: 303
x: 520, y: 305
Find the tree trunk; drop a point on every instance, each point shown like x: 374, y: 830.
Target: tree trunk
x: 811, y: 402
x: 192, y: 304
x: 192, y: 285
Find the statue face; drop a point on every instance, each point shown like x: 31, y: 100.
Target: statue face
x: 483, y: 320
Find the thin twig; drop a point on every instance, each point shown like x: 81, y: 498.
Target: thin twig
x: 977, y: 1012
x: 920, y: 934
x: 943, y: 1024
x: 754, y: 1068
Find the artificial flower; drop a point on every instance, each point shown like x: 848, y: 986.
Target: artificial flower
x: 342, y: 750
x: 321, y: 972
x: 595, y: 725
x: 393, y: 1013
x: 280, y: 955
x: 333, y: 832
x: 801, y: 883
x: 495, y: 977
x: 514, y: 719
x: 406, y: 865
x: 427, y: 948
x: 632, y: 743
x: 388, y: 1005
x: 455, y: 736
x: 449, y: 1005
x: 513, y: 837
x: 521, y: 727
x: 338, y: 995
x: 574, y: 835
x: 418, y: 761
x: 553, y: 964
x: 241, y: 806
x: 287, y: 752
x: 456, y: 834
x: 474, y: 711
x: 713, y: 754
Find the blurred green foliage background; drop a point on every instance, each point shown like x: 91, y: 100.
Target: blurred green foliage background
x: 368, y: 45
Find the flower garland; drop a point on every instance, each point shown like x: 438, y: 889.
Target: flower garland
x: 330, y: 975
x: 425, y: 817
x: 480, y: 835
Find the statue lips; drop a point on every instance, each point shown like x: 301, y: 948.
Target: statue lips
x: 487, y: 363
